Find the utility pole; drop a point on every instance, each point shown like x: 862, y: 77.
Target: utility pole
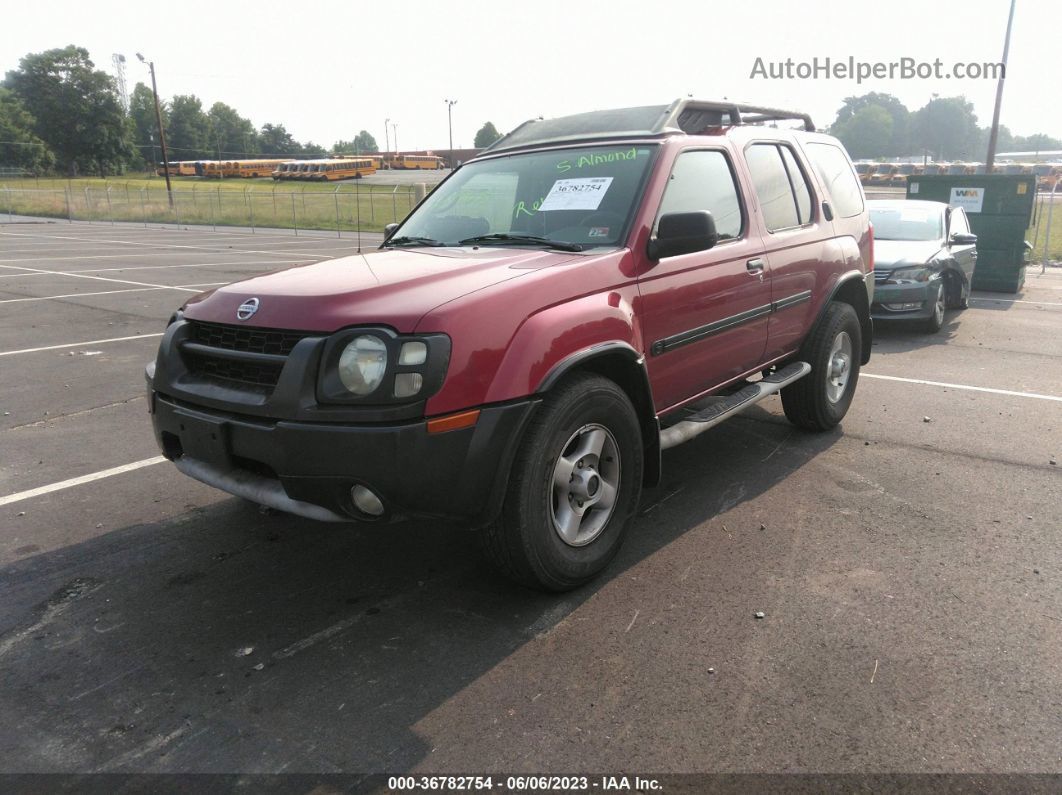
x: 387, y: 136
x: 994, y: 135
x: 162, y: 132
x: 394, y: 130
x: 450, y: 121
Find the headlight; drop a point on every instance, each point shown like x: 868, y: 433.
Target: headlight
x: 906, y: 275
x: 362, y: 364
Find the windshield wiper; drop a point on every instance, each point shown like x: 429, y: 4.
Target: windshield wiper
x: 502, y: 237
x: 412, y: 241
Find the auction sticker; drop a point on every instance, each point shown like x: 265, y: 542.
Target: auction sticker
x: 576, y: 194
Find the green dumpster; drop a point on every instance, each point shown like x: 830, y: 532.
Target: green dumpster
x: 1000, y: 208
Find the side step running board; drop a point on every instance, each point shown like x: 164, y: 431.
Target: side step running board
x: 713, y: 415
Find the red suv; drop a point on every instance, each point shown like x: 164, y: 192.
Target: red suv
x: 523, y: 346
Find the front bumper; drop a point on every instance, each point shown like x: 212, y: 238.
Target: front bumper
x: 309, y: 468
x: 903, y: 301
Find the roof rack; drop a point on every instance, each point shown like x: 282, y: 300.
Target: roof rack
x: 690, y: 116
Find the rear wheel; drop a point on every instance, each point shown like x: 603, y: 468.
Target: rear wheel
x: 574, y: 486
x: 819, y: 400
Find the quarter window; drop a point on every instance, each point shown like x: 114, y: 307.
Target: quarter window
x: 702, y: 180
x: 838, y: 178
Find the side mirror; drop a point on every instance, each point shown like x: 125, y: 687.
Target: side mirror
x: 683, y: 233
x: 389, y: 230
x: 962, y: 239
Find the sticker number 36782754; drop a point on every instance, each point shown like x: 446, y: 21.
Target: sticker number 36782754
x: 576, y: 194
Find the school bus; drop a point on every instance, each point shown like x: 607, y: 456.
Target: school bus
x: 262, y: 167
x: 1047, y: 175
x: 208, y: 168
x: 903, y: 171
x: 178, y: 168
x: 882, y: 173
x: 961, y: 169
x: 934, y: 168
x: 1017, y: 168
x: 341, y: 168
x: 416, y: 161
x: 285, y: 170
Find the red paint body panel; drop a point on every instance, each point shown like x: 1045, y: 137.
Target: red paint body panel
x: 513, y: 314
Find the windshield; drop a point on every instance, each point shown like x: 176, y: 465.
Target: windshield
x: 908, y: 169
x: 957, y: 169
x: 909, y: 223
x: 580, y: 196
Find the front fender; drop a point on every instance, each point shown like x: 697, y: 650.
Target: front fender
x: 555, y: 334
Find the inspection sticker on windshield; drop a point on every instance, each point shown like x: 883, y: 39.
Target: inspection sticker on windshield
x: 576, y: 194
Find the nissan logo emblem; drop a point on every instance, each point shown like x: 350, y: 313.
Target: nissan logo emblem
x: 247, y: 309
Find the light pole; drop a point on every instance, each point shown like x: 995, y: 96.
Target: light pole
x: 993, y: 135
x: 162, y: 132
x: 394, y: 135
x: 450, y: 121
x: 387, y: 136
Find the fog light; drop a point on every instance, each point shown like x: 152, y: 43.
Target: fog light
x: 365, y: 501
x: 408, y: 384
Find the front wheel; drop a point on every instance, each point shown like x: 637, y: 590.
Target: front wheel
x: 819, y: 400
x: 574, y: 487
x: 935, y: 321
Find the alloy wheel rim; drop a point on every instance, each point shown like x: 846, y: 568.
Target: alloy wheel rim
x: 938, y: 308
x: 838, y: 366
x: 585, y: 485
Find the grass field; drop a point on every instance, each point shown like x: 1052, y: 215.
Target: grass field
x: 227, y: 202
x: 345, y: 205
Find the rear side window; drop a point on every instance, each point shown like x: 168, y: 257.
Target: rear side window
x: 838, y: 178
x: 702, y: 180
x: 785, y: 201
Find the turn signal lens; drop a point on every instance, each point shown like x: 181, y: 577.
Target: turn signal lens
x: 453, y: 422
x: 413, y: 353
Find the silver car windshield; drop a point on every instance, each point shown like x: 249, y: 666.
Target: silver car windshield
x: 913, y: 223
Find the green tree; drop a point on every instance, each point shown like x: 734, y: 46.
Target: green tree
x: 19, y: 146
x: 75, y: 108
x: 310, y: 149
x: 145, y: 128
x: 274, y: 140
x: 236, y: 134
x: 866, y: 133
x: 899, y: 142
x: 487, y: 135
x: 364, y: 142
x: 946, y: 127
x: 1035, y: 143
x: 188, y: 133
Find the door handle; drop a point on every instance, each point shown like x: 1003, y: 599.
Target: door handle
x: 755, y: 266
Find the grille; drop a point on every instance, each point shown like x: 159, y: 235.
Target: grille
x: 239, y: 338
x: 242, y: 372
x: 243, y: 338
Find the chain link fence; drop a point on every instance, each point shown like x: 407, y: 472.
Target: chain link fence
x: 346, y: 209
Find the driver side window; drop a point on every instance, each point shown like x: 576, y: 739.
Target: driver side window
x: 703, y: 180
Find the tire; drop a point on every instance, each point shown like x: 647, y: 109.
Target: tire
x: 958, y: 293
x: 939, y: 301
x: 525, y: 542
x: 819, y: 400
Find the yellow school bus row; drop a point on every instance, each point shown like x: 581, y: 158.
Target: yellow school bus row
x: 331, y: 168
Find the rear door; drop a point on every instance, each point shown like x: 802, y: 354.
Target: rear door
x: 704, y: 314
x: 796, y: 240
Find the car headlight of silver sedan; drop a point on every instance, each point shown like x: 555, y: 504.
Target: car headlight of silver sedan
x: 910, y: 275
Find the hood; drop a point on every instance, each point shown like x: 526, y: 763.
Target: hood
x: 889, y: 254
x: 391, y: 287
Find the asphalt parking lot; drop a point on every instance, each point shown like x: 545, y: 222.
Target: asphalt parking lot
x: 908, y: 566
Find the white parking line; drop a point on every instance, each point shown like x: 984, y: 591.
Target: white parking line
x: 96, y: 278
x: 108, y: 292
x: 165, y: 267
x: 1015, y: 301
x: 66, y: 484
x: 1035, y: 395
x: 158, y: 245
x: 86, y: 343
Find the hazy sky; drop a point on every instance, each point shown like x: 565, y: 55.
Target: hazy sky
x: 327, y: 69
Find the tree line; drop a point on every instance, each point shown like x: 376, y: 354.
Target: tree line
x: 877, y: 125
x: 59, y: 112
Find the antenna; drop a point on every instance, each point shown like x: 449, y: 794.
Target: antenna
x: 118, y: 60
